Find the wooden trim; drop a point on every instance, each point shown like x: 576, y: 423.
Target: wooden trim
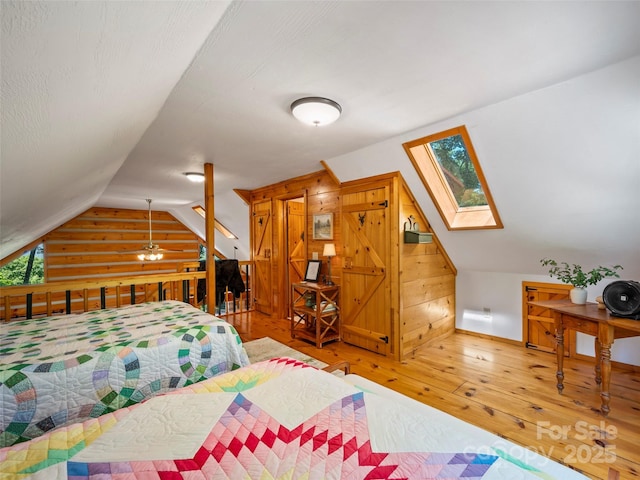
x: 210, y: 232
x: 429, y: 171
x: 330, y: 172
x: 614, y: 364
x: 259, y: 193
x: 245, y: 195
x: 488, y: 337
x: 395, y: 287
x: 436, y: 240
x: 359, y: 183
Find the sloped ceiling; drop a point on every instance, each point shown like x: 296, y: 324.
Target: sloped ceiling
x: 108, y: 103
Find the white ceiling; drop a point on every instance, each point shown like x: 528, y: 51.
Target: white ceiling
x: 109, y: 102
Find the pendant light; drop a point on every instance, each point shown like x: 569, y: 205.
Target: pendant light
x: 150, y: 252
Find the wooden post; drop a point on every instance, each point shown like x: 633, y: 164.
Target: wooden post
x: 210, y: 240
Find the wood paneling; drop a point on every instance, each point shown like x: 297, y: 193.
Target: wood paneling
x: 427, y: 284
x: 405, y: 292
x: 103, y: 243
x: 322, y: 195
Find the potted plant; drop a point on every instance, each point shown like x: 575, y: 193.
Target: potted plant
x: 576, y: 276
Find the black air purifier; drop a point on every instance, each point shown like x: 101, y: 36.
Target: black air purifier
x: 622, y: 299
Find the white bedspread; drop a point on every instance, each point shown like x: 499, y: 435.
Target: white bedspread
x: 279, y: 419
x: 64, y: 369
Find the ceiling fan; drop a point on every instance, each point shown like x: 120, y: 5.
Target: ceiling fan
x: 151, y: 251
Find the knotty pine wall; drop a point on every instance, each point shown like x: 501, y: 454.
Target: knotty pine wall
x: 322, y: 195
x: 103, y: 243
x: 427, y: 283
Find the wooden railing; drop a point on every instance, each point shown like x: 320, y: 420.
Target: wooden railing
x: 54, y: 298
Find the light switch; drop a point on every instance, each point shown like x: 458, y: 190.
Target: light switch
x: 314, y: 255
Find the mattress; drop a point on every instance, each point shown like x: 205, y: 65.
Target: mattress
x: 274, y: 420
x: 64, y: 369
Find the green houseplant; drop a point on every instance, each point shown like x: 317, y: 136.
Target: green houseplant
x: 574, y: 275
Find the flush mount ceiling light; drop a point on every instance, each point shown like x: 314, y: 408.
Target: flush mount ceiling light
x: 316, y: 111
x: 195, y: 176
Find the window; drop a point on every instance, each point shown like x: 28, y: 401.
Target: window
x: 447, y: 164
x: 27, y: 269
x: 220, y: 227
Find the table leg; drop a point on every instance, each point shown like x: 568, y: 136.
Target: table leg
x: 559, y: 350
x: 605, y: 334
x: 597, y: 349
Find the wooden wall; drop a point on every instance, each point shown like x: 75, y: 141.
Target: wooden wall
x: 103, y: 242
x: 427, y: 283
x: 322, y: 195
x: 422, y: 278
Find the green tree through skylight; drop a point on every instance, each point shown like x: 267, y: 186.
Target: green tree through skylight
x: 459, y: 171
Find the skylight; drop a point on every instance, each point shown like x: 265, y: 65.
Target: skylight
x: 447, y: 165
x: 220, y: 227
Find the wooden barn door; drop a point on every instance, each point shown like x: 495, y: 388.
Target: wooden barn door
x: 365, y: 296
x: 296, y: 250
x: 538, y: 325
x: 262, y: 248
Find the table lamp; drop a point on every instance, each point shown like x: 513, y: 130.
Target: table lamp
x: 329, y: 251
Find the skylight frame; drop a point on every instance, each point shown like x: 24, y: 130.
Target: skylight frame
x: 433, y: 178
x: 219, y: 226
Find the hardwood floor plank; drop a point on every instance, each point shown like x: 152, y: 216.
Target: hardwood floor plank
x: 503, y: 388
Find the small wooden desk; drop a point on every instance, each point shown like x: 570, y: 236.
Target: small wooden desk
x: 591, y: 320
x: 315, y: 312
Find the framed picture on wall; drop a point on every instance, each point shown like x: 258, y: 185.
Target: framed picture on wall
x: 313, y: 271
x: 323, y: 226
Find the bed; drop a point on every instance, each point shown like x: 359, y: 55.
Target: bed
x: 64, y: 369
x: 279, y: 418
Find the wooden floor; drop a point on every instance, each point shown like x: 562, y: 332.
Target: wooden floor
x: 503, y: 388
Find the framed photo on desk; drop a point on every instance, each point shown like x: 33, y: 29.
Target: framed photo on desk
x: 313, y: 271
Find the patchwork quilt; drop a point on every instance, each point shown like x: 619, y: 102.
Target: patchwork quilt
x: 279, y: 419
x: 64, y: 369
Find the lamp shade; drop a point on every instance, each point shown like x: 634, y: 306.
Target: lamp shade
x: 329, y: 250
x: 317, y: 111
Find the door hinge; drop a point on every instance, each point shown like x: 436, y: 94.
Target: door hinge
x: 531, y: 345
x: 384, y: 204
x: 385, y: 339
x: 531, y: 289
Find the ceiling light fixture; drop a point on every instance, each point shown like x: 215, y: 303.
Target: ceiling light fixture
x: 195, y: 176
x: 316, y: 111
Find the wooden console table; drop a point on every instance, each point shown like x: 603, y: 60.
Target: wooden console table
x: 591, y: 320
x: 315, y: 312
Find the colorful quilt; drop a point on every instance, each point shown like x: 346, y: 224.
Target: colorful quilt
x: 64, y: 369
x: 279, y: 419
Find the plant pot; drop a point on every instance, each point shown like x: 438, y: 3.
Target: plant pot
x: 578, y: 295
